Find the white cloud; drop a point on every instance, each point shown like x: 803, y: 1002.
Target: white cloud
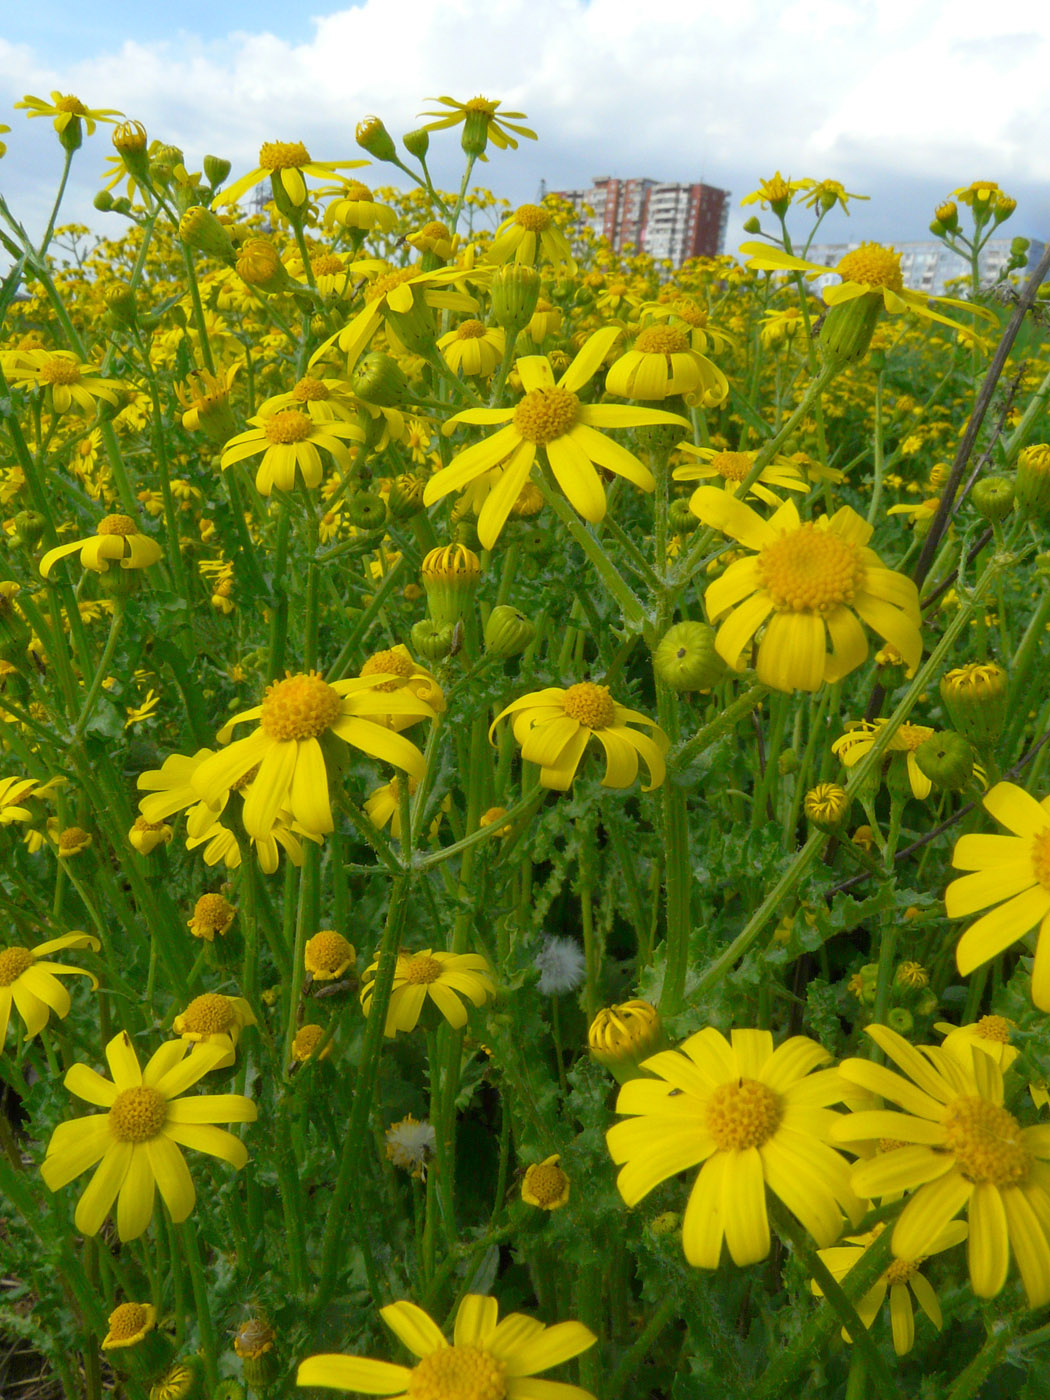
x: 900, y: 100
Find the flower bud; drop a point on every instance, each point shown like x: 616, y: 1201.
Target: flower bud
x: 417, y: 142
x: 405, y: 497
x: 28, y: 527
x: 199, y: 228
x: 681, y: 518
x: 1004, y: 207
x: 946, y: 759
x: 367, y: 511
x: 431, y: 642
x: 253, y: 1343
x: 826, y: 806
x: 685, y: 658
x: 752, y: 225
x: 380, y: 380
x: 948, y: 215
x: 515, y: 292
x: 120, y: 303
x: 976, y: 698
x: 993, y: 497
x: 162, y: 164
x: 147, y: 836
x: 450, y: 576
x: 259, y: 263
x: 507, y: 632
x: 848, y: 328
x: 900, y: 1020
x: 103, y: 201
x: 216, y: 170
x: 129, y: 142
x: 1032, y: 486
x: 621, y: 1037
x: 373, y: 137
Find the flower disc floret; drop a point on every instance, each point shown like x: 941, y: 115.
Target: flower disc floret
x: 288, y: 426
x: 662, y: 340
x: 138, y: 1114
x: 209, y: 1014
x: 1041, y: 858
x: 420, y: 969
x: 127, y: 1320
x: 328, y: 954
x: 810, y: 570
x: 532, y: 217
x: 987, y: 1142
x: 392, y: 663
x: 299, y: 707
x: 995, y: 1028
x: 590, y: 705
x: 116, y: 525
x: 60, y: 371
x: 382, y: 285
x: 903, y: 1270
x: 309, y: 390
x: 13, y: 962
x: 545, y: 1185
x: 872, y: 265
x: 283, y: 155
x: 743, y: 1114
x: 546, y: 414
x: 470, y: 330
x: 458, y: 1373
x: 733, y: 466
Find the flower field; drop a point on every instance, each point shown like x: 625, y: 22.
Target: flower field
x: 523, y: 794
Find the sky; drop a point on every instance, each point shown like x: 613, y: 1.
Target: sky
x: 903, y: 102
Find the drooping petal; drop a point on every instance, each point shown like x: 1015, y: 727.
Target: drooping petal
x: 135, y: 1202
x: 703, y: 1224
x: 101, y: 1192
x: 731, y: 516
x: 580, y: 483
x: 172, y: 1176
x: 744, y: 1206
x: 989, y: 1247
x: 792, y: 653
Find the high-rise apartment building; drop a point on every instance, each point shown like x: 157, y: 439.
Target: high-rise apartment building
x: 665, y: 220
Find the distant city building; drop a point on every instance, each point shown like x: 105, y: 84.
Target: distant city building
x: 929, y: 266
x: 665, y: 220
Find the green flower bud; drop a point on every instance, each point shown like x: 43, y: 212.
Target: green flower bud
x: 1019, y: 247
x: 416, y: 329
x: 900, y: 1020
x: 993, y: 497
x: 367, y: 511
x: 380, y: 380
x: 216, y: 170
x: 120, y: 303
x: 199, y: 228
x: 450, y: 576
x: 417, y: 142
x: 405, y: 497
x: 433, y: 642
x: 103, y: 201
x: 848, y: 328
x: 685, y: 658
x: 162, y: 164
x: 976, y: 697
x: 259, y: 263
x: 681, y: 518
x: 1033, y: 481
x: 129, y: 142
x: 28, y: 527
x: 826, y: 806
x: 507, y: 632
x: 752, y: 225
x: 373, y: 137
x: 787, y: 763
x: 948, y: 215
x: 946, y: 759
x: 515, y: 292
x: 621, y: 1037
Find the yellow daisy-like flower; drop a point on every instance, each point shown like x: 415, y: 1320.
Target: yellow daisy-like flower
x: 214, y: 1019
x: 756, y: 1118
x: 545, y: 1185
x: 807, y: 583
x: 731, y: 468
x: 400, y: 672
x: 13, y: 792
x: 285, y: 163
x: 1011, y: 872
x: 473, y: 348
x: 663, y: 362
x: 961, y: 1148
x: 128, y: 1324
x: 990, y: 1035
x: 775, y: 193
x: 554, y: 727
x: 487, y: 1359
x: 483, y: 122
x: 444, y: 978
x: 826, y: 194
x: 860, y: 737
x: 551, y: 416
x: 292, y: 776
x: 324, y: 400
x: 530, y: 235
x: 136, y: 1141
x: 384, y: 805
x: 902, y: 1275
x: 289, y: 440
x: 65, y: 108
x: 977, y: 193
x: 328, y: 955
x: 870, y: 270
x: 357, y: 209
x: 117, y: 539
x: 690, y: 315
x: 27, y: 980
x: 69, y: 381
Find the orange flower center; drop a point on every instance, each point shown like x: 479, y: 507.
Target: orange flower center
x: 137, y: 1114
x: 532, y: 217
x: 59, y: 370
x: 546, y: 414
x: 128, y: 1320
x: 590, y: 705
x: 210, y: 1014
x: 306, y: 1041
x: 872, y: 265
x: 547, y: 1183
x: 1041, y: 857
x: 288, y: 426
x: 470, y: 330
x: 13, y: 962
x: 283, y: 155
x: 458, y: 1373
x: 733, y: 466
x: 988, y: 1142
x: 810, y: 570
x: 116, y: 525
x: 299, y: 707
x: 388, y: 663
x: 742, y: 1114
x: 995, y: 1028
x: 420, y: 968
x: 662, y: 340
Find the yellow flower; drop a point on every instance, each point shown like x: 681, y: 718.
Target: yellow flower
x: 487, y: 1360
x: 1011, y: 872
x: 384, y: 805
x: 807, y: 583
x: 756, y: 1118
x: 826, y: 194
x: 961, y: 1148
x: 66, y: 109
x: 212, y: 914
x: 990, y: 1035
x: 731, y: 468
x: 901, y: 1275
x: 442, y: 977
x: 13, y: 792
x: 552, y: 417
x: 288, y: 440
x: 27, y: 979
x: 545, y: 1185
x: 328, y: 955
x: 483, y: 122
x: 553, y: 727
x: 356, y: 209
x: 214, y: 1019
x: 136, y: 1141
x: 687, y: 313
x: 285, y: 162
x: 307, y: 1039
x: 401, y: 673
x: 977, y: 193
x: 530, y: 235
x: 70, y: 382
x: 128, y: 1324
x: 860, y: 737
x: 117, y: 538
x: 870, y: 270
x: 292, y: 776
x: 69, y: 840
x: 776, y: 192
x: 662, y: 362
x: 473, y: 348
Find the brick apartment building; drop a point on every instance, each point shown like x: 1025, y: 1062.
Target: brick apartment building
x: 663, y: 219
